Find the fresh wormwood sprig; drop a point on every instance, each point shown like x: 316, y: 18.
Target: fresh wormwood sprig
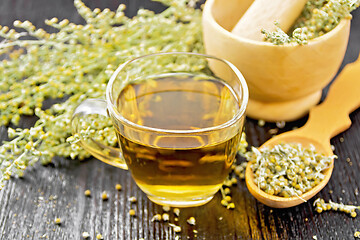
x: 73, y: 64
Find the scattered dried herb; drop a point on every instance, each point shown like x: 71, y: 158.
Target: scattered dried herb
x: 191, y: 221
x: 156, y: 218
x: 132, y: 199
x: 165, y: 217
x: 320, y: 206
x: 177, y: 229
x: 132, y: 212
x: 85, y: 235
x: 57, y: 221
x: 87, y: 193
x: 118, y: 187
x: 104, y: 196
x: 166, y: 208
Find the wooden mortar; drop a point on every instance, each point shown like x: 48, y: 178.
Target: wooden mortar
x: 284, y: 81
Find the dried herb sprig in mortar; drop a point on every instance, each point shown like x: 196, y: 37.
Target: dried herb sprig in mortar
x: 74, y: 64
x: 317, y: 18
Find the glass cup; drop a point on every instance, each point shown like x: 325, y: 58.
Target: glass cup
x: 178, y: 119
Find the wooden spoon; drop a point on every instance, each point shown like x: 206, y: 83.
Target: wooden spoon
x: 262, y: 14
x: 325, y: 121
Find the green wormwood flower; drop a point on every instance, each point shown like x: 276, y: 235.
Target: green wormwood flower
x: 317, y: 18
x: 73, y: 64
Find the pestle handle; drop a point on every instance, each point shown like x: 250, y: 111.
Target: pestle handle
x: 262, y: 14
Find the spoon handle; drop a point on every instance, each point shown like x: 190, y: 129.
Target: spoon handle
x: 332, y: 116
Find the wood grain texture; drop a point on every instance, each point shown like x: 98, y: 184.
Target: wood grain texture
x: 30, y: 205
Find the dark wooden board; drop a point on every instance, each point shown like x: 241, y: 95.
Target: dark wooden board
x: 30, y: 205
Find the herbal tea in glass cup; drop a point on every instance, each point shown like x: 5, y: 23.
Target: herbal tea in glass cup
x: 178, y: 121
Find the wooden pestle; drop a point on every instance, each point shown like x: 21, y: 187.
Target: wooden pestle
x: 262, y: 14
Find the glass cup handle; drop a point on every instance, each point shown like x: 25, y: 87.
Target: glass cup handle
x: 107, y: 154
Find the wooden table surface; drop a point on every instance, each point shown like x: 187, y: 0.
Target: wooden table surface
x: 30, y: 205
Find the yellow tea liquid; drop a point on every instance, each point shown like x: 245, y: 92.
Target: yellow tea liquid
x: 178, y: 168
